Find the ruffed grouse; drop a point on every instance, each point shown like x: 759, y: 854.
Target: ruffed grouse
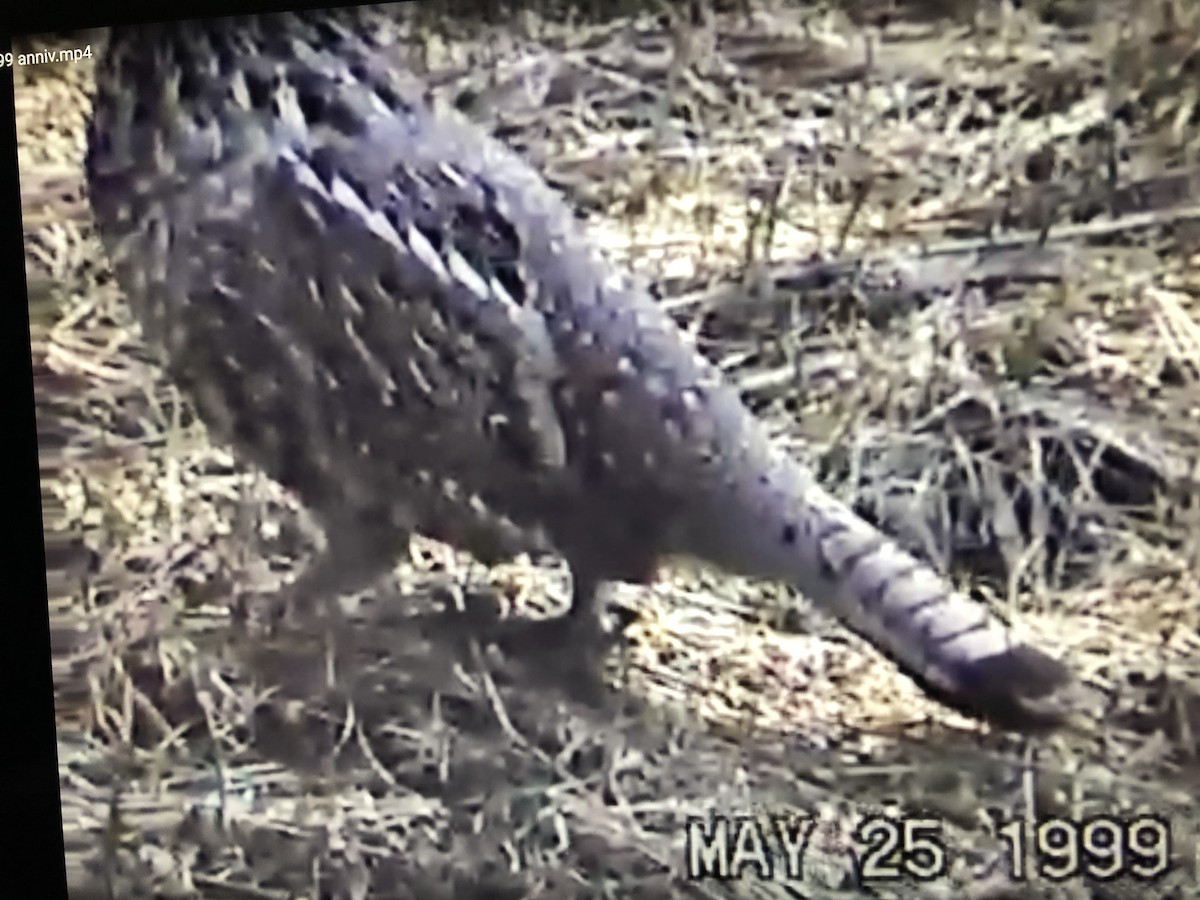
x: 392, y: 315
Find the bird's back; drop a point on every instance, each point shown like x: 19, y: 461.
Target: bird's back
x: 360, y: 291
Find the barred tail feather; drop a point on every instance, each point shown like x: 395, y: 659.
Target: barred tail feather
x: 764, y: 515
x: 954, y: 647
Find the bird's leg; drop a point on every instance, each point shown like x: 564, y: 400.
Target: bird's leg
x: 579, y: 629
x: 347, y: 564
x: 592, y: 630
x: 574, y: 644
x: 358, y: 550
x: 587, y: 618
x: 566, y: 650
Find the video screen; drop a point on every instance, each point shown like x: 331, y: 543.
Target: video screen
x: 621, y: 449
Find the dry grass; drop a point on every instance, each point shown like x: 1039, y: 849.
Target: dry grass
x: 960, y: 280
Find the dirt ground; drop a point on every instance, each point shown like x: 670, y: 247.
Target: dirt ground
x: 952, y: 259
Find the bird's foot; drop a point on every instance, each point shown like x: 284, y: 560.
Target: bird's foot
x: 566, y: 652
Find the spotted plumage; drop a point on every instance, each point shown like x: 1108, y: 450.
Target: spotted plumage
x: 392, y: 314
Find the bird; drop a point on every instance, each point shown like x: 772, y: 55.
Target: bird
x: 390, y: 313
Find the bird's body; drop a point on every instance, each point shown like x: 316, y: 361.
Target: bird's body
x: 393, y: 315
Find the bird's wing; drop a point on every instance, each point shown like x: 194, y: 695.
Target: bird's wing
x: 421, y: 268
